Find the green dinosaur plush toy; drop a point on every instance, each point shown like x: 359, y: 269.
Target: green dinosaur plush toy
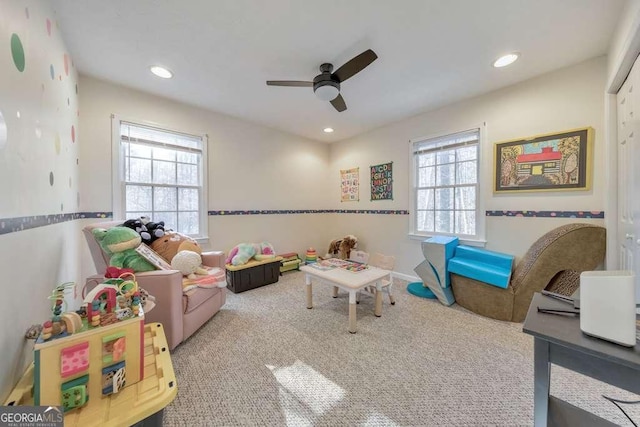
x: 120, y: 244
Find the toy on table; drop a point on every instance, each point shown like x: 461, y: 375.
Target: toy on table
x: 94, y: 351
x: 341, y: 248
x: 311, y: 256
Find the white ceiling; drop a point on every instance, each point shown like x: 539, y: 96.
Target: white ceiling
x: 430, y: 52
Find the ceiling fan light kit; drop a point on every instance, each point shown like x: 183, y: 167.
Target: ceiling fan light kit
x: 327, y: 91
x: 326, y: 85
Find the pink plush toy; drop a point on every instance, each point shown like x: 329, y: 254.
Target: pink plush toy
x: 242, y: 253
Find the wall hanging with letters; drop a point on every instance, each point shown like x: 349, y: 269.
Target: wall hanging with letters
x: 350, y: 185
x: 382, y: 181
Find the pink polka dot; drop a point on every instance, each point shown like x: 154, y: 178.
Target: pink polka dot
x: 73, y: 134
x: 66, y: 64
x: 74, y: 360
x: 48, y: 26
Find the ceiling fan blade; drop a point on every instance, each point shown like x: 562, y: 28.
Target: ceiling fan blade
x: 355, y: 65
x: 339, y: 104
x: 295, y: 83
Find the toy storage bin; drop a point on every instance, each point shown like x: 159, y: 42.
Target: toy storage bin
x: 253, y: 274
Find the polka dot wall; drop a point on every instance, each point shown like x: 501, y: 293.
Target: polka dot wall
x: 39, y: 111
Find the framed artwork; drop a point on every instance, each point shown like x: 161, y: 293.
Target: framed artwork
x: 382, y: 181
x: 552, y: 162
x: 350, y: 185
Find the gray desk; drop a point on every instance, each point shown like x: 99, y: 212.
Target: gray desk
x: 559, y: 340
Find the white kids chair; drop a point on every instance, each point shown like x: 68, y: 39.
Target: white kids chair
x: 385, y: 262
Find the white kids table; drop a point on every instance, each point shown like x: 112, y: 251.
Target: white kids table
x: 352, y: 282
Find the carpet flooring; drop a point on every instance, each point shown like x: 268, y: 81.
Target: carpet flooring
x: 266, y: 360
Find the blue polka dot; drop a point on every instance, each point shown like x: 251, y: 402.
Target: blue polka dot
x: 52, y: 71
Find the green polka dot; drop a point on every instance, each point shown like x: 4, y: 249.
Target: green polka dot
x: 17, y: 51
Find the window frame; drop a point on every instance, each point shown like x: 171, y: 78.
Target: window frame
x: 479, y: 238
x: 118, y: 171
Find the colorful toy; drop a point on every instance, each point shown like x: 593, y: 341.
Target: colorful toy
x: 311, y: 256
x: 120, y: 244
x: 92, y: 352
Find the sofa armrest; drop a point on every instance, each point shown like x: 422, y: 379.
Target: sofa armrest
x: 213, y: 259
x: 166, y: 287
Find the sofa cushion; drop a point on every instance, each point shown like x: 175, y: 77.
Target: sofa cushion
x: 195, y: 297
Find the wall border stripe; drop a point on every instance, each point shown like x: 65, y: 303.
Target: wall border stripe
x: 11, y: 225
x: 308, y: 211
x: 549, y: 214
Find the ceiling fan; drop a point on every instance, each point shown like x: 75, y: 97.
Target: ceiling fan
x: 326, y: 85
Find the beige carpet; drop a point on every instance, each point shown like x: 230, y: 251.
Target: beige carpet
x: 265, y: 360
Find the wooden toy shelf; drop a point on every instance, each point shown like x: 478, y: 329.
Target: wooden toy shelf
x: 132, y: 404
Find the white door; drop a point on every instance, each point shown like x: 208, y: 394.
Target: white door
x: 628, y: 113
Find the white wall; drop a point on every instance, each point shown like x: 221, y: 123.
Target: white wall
x: 565, y: 99
x: 251, y: 167
x: 39, y: 110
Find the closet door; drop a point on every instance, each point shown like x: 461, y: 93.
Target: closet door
x: 628, y: 104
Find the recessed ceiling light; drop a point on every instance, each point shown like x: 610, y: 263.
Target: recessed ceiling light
x: 161, y: 72
x: 505, y: 60
x: 328, y: 130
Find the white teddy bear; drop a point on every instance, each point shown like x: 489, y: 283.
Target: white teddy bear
x: 188, y: 262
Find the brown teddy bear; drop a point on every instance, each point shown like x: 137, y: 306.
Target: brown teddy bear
x: 341, y: 248
x: 171, y: 243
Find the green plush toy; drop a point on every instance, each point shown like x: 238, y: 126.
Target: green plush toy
x: 120, y: 244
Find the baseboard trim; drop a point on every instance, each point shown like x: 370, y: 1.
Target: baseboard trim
x: 406, y: 277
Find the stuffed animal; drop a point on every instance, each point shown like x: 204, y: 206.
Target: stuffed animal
x: 243, y: 252
x: 155, y: 229
x: 189, y: 264
x: 120, y: 244
x: 348, y: 243
x: 171, y: 243
x: 341, y: 248
x: 149, y: 231
x: 266, y: 252
x: 138, y: 226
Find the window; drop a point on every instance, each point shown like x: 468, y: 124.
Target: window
x: 445, y: 185
x: 161, y: 174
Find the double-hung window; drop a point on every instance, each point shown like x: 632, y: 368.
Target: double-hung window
x: 160, y: 174
x: 445, y: 185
